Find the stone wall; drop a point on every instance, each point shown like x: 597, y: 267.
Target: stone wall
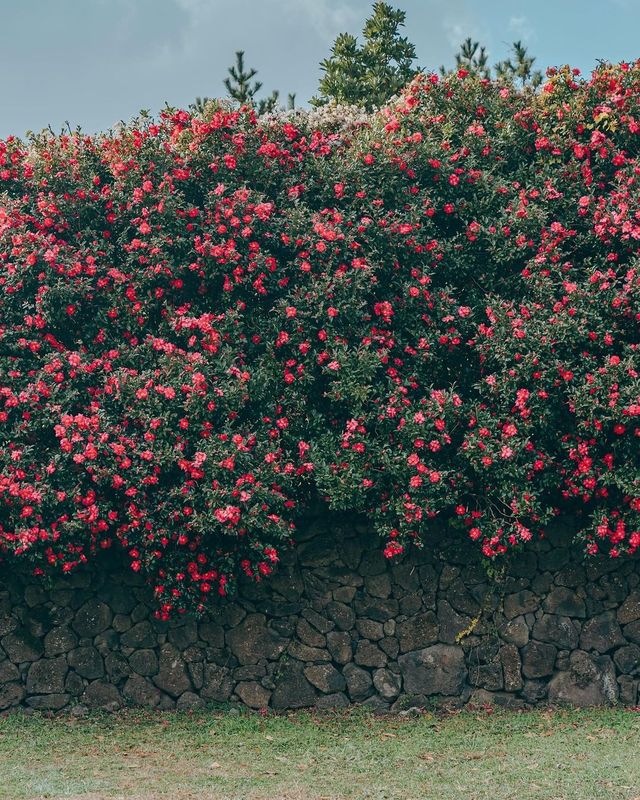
x: 336, y: 625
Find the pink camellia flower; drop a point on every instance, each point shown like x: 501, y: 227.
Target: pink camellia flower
x: 229, y: 514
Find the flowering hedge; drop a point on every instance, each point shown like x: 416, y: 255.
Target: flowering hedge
x: 207, y: 322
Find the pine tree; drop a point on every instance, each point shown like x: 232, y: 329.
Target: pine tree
x: 472, y: 56
x: 238, y: 84
x: 239, y: 87
x: 368, y: 75
x: 268, y: 104
x: 519, y: 68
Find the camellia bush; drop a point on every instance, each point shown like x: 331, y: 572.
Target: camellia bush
x: 210, y: 322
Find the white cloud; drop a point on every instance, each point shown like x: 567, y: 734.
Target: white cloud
x: 327, y: 18
x: 456, y: 33
x: 459, y: 21
x: 521, y: 28
x: 196, y: 7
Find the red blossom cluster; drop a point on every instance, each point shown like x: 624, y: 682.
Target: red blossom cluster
x: 206, y: 322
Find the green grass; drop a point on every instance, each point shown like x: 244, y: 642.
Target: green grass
x: 540, y: 755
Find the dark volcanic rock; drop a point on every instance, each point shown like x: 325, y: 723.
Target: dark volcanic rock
x: 102, y: 695
x: 144, y: 662
x: 87, y: 662
x: 253, y: 694
x: 520, y: 603
x: 48, y: 702
x: 92, y: 618
x: 47, y: 676
x: 309, y: 635
x: 172, y: 676
x: 339, y: 646
x: 217, y: 683
x: 590, y: 681
x: 418, y: 631
x: 342, y: 615
x: 601, y: 633
x: 487, y: 676
x: 451, y: 623
x: 556, y: 630
x: 292, y: 689
x: 304, y: 653
x: 538, y: 659
x: 564, y: 602
x: 139, y: 636
x: 252, y: 640
x: 359, y: 682
x: 325, y: 677
x: 627, y: 659
x: 332, y: 701
x: 515, y: 631
x: 11, y: 694
x: 511, y: 667
x: 439, y: 669
x: 369, y: 655
x: 141, y: 692
x: 59, y: 641
x: 387, y: 684
x: 22, y: 646
x: 629, y: 611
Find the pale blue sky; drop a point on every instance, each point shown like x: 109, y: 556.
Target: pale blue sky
x: 94, y: 62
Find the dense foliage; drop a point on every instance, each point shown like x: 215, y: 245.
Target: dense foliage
x: 207, y: 322
x: 368, y: 75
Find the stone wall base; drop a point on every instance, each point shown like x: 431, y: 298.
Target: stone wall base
x: 337, y: 625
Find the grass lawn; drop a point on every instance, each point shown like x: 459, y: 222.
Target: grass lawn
x: 562, y: 755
